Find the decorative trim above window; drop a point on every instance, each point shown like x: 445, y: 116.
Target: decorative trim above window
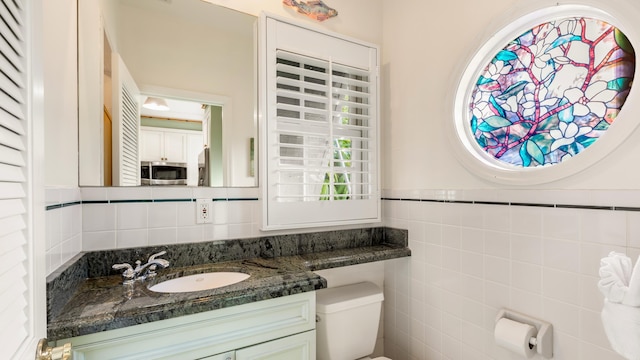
x: 320, y: 128
x: 543, y: 91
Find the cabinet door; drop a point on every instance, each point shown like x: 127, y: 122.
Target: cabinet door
x: 295, y: 347
x: 151, y: 143
x: 175, y: 147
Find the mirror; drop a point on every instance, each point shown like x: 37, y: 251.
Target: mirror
x: 186, y: 51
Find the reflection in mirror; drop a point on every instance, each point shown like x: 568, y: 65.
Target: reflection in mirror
x: 190, y: 53
x: 180, y: 142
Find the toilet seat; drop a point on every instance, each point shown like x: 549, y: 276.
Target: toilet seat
x: 378, y: 358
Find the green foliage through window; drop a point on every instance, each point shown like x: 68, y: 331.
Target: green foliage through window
x: 341, y: 177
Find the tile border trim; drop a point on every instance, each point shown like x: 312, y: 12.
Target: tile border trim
x: 61, y: 205
x: 128, y: 201
x: 468, y: 202
x: 507, y: 203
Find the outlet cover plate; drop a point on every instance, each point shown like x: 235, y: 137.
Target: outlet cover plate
x: 203, y: 211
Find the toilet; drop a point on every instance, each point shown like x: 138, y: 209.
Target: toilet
x: 347, y: 321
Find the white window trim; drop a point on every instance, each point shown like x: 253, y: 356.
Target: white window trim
x: 349, y: 212
x: 618, y: 13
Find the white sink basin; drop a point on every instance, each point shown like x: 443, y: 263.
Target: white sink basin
x: 199, y: 282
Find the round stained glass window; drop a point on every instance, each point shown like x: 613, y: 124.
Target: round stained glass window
x: 551, y: 92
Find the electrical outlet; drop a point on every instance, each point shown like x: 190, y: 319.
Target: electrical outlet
x: 203, y: 211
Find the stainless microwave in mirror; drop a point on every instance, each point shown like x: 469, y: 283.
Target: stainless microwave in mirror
x: 163, y: 173
x: 187, y: 50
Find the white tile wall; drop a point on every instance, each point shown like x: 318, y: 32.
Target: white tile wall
x: 101, y: 226
x: 123, y: 224
x: 470, y: 260
x: 131, y: 224
x: 63, y: 228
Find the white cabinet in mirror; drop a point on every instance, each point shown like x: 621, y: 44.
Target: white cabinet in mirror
x: 181, y: 52
x: 176, y: 149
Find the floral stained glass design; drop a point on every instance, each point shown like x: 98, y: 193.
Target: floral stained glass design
x: 552, y: 92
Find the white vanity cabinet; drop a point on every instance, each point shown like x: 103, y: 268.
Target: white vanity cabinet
x: 295, y: 347
x: 281, y: 328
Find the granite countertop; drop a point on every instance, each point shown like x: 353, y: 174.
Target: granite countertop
x: 87, y: 296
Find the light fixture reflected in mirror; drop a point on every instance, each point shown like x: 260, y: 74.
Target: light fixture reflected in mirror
x: 153, y: 103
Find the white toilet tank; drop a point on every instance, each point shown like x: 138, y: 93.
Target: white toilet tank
x: 347, y: 321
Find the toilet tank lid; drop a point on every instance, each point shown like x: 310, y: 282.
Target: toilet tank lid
x: 346, y: 297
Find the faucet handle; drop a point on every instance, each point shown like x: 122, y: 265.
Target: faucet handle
x: 128, y: 273
x: 152, y: 257
x: 129, y: 268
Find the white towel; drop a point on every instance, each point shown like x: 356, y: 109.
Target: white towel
x: 615, y: 272
x: 632, y: 297
x: 620, y: 284
x: 622, y: 326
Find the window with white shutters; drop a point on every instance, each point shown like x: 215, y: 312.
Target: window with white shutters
x: 321, y: 129
x: 14, y: 260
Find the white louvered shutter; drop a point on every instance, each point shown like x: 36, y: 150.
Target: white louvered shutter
x: 16, y: 264
x: 126, y: 158
x: 321, y: 129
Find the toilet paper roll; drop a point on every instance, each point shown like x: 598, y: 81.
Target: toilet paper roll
x: 515, y: 336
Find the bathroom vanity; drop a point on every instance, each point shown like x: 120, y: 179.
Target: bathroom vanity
x: 270, y: 315
x: 281, y: 328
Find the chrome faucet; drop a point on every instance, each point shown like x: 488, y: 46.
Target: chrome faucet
x: 142, y: 272
x: 150, y: 266
x: 128, y: 275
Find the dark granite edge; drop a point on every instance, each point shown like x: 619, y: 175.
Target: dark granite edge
x: 63, y: 330
x: 62, y: 283
x: 395, y: 236
x: 330, y: 262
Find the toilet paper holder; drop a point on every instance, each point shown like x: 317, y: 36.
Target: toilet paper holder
x: 543, y: 340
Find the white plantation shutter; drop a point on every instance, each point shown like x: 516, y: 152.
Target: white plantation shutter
x: 126, y: 159
x: 321, y: 128
x: 14, y: 260
x: 130, y: 166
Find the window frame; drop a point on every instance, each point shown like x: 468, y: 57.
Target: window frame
x: 466, y: 149
x: 278, y: 34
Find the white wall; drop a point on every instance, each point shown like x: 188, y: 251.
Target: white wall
x: 469, y: 259
x: 60, y: 89
x: 425, y: 48
x: 360, y: 19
